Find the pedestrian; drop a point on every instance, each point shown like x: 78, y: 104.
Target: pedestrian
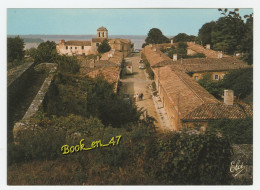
x: 137, y: 97
x: 142, y: 95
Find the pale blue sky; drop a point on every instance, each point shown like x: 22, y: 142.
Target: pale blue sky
x: 117, y: 21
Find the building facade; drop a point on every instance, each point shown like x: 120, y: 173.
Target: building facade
x: 73, y: 47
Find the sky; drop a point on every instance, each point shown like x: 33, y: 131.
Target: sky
x: 117, y: 21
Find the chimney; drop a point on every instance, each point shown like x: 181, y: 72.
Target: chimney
x: 207, y: 46
x: 151, y: 45
x: 175, y: 57
x: 92, y: 63
x: 228, y: 97
x: 171, y: 41
x: 220, y: 54
x: 188, y: 51
x: 154, y: 49
x: 62, y: 41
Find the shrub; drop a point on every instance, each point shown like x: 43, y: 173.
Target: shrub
x: 238, y: 131
x: 183, y: 158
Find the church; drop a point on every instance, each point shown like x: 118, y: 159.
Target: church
x: 74, y: 47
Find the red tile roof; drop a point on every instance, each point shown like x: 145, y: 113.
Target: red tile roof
x: 179, y: 87
x: 200, y: 49
x: 208, y: 64
x: 218, y: 111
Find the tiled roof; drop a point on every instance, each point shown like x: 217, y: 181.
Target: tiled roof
x: 186, y: 95
x: 159, y: 59
x: 119, y: 40
x: 117, y: 57
x: 98, y: 64
x: 98, y: 39
x: 218, y: 111
x: 208, y: 64
x: 179, y: 87
x: 78, y: 43
x: 111, y: 74
x: 155, y: 56
x: 200, y: 49
x: 102, y: 28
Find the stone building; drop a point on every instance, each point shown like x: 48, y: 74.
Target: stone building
x: 188, y: 104
x: 71, y: 48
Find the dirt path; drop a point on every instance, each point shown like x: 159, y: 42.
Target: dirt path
x: 138, y: 83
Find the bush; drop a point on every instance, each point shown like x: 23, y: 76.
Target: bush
x: 189, y: 159
x: 238, y: 131
x: 213, y: 87
x: 36, y: 145
x: 148, y: 67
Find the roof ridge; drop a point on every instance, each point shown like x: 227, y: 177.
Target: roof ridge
x: 190, y: 87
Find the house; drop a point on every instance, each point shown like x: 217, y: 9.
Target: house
x: 109, y: 66
x: 74, y: 47
x: 197, y: 67
x: 188, y: 104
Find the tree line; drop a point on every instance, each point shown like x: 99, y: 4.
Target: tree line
x: 230, y: 33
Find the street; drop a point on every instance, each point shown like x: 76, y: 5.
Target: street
x: 139, y: 82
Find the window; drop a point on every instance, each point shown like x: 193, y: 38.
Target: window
x: 75, y: 47
x: 82, y: 47
x: 83, y: 54
x: 216, y: 77
x: 66, y: 47
x: 70, y: 47
x: 97, y: 44
x: 196, y: 78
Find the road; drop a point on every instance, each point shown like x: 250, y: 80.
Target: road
x: 138, y: 82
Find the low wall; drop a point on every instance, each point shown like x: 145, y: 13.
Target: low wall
x: 24, y: 123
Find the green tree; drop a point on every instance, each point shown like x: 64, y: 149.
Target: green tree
x: 46, y: 52
x: 205, y: 31
x: 247, y: 41
x: 104, y: 47
x: 106, y: 105
x: 228, y: 32
x: 15, y: 49
x: 32, y: 52
x: 213, y: 87
x: 182, y: 37
x: 241, y: 81
x: 155, y: 36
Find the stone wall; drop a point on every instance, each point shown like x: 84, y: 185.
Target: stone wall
x: 24, y: 123
x: 17, y: 76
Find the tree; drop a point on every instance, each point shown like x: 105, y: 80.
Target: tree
x: 228, y: 32
x: 247, y: 41
x: 15, y: 49
x: 104, y: 47
x: 213, y: 87
x: 155, y: 36
x: 241, y: 81
x: 106, y: 105
x: 46, y: 52
x: 182, y: 37
x: 205, y: 31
